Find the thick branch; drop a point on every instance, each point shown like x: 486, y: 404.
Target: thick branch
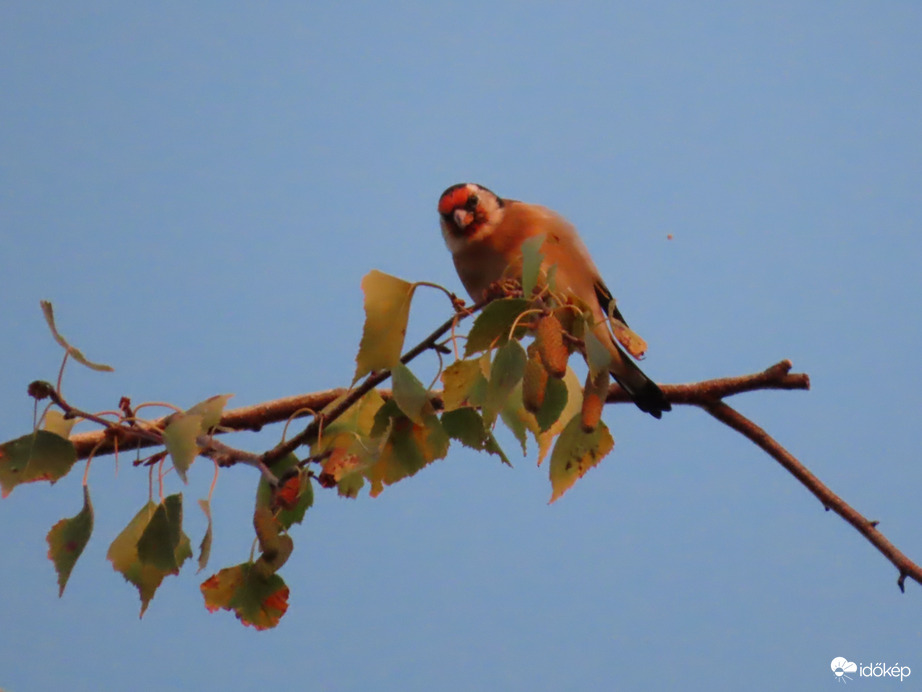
x: 256, y: 416
x: 778, y: 376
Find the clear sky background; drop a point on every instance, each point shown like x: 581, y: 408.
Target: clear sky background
x: 199, y: 190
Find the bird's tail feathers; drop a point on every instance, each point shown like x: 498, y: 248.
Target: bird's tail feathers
x: 642, y: 390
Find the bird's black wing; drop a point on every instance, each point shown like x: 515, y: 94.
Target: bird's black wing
x: 607, y: 301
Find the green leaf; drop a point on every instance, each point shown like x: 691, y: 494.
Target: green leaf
x: 39, y: 456
x: 410, y: 394
x: 598, y: 357
x: 518, y: 419
x: 467, y: 426
x: 68, y: 538
x: 56, y: 423
x: 552, y: 278
x: 124, y: 551
x: 267, y: 529
x: 573, y: 406
x: 73, y: 352
x: 532, y: 258
x: 387, y: 310
x: 407, y: 447
x: 555, y: 401
x: 384, y: 418
x: 158, y: 543
x: 210, y: 410
x: 270, y: 563
x: 507, y: 371
x: 205, y: 546
x: 491, y: 328
x: 575, y: 453
x: 256, y: 599
x: 179, y: 438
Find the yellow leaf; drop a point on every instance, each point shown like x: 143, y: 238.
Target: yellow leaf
x: 210, y: 410
x: 459, y: 381
x: 179, y: 438
x: 56, y: 423
x: 575, y: 453
x: 40, y: 456
x: 387, y: 310
x: 147, y: 551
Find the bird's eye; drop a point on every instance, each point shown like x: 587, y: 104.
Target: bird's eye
x: 472, y: 202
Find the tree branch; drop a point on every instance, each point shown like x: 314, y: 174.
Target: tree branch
x: 258, y: 415
x: 707, y: 394
x: 867, y: 528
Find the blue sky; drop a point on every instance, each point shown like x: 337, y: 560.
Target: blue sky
x: 199, y: 190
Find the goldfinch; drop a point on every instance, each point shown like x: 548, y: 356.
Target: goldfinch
x: 485, y: 232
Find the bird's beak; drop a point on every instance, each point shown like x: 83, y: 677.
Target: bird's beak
x: 462, y: 218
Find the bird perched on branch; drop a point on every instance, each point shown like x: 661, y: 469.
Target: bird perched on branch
x: 485, y: 232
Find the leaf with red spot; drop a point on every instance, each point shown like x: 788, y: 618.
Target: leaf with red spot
x: 347, y: 446
x: 68, y: 538
x: 257, y: 599
x: 289, y: 503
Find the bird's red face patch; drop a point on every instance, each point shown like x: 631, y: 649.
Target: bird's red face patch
x: 469, y: 210
x: 455, y: 197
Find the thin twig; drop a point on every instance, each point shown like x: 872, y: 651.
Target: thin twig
x: 867, y: 528
x: 373, y: 380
